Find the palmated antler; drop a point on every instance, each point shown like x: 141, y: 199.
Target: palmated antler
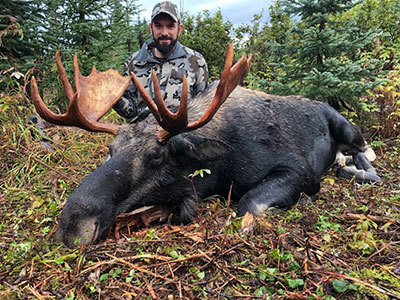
x: 175, y: 123
x: 95, y: 95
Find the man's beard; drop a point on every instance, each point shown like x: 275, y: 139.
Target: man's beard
x: 165, y: 48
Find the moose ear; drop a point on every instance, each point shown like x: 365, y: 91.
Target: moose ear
x: 199, y: 148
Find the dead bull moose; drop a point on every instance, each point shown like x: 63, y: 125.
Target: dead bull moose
x: 270, y: 148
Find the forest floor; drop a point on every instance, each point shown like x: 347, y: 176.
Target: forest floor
x: 343, y: 245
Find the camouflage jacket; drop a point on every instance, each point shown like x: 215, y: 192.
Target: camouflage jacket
x: 170, y: 71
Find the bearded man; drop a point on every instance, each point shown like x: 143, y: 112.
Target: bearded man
x: 171, y: 61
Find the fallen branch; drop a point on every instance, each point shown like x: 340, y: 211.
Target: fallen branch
x: 150, y: 288
x: 178, y: 260
x: 382, y: 249
x: 376, y: 219
x: 142, y: 216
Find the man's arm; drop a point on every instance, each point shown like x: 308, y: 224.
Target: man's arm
x: 127, y: 105
x: 202, y: 77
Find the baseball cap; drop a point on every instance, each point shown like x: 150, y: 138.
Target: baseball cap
x: 168, y: 8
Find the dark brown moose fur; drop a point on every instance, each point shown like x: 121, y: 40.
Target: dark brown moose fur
x: 270, y: 148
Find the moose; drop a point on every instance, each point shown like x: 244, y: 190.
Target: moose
x: 270, y: 149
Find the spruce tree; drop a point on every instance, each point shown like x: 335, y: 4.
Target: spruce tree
x: 324, y: 55
x: 100, y: 31
x: 19, y: 46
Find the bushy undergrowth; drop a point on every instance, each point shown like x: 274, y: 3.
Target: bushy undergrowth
x: 343, y: 245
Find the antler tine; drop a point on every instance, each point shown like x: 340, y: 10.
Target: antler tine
x: 77, y: 72
x: 42, y: 109
x: 170, y: 122
x: 63, y: 77
x: 95, y: 95
x: 230, y: 78
x: 146, y: 97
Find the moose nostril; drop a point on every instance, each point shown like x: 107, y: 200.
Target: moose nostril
x: 95, y: 233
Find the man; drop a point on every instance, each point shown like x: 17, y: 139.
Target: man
x: 171, y: 61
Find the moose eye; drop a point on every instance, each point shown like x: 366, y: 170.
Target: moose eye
x: 156, y: 159
x: 111, y: 150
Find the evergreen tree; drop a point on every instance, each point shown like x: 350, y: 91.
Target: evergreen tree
x: 325, y: 54
x: 280, y: 23
x: 19, y: 45
x: 100, y: 31
x: 258, y: 38
x: 82, y: 27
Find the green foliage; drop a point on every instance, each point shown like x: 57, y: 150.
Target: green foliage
x: 364, y: 239
x: 259, y: 38
x: 102, y: 33
x: 252, y: 39
x: 199, y: 172
x: 324, y: 225
x: 209, y: 35
x: 385, y: 100
x: 379, y: 14
x: 294, y: 283
x: 325, y: 62
x: 341, y: 286
x: 19, y: 43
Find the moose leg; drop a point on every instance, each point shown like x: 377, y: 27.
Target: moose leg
x: 362, y: 162
x: 187, y: 210
x: 280, y: 189
x: 362, y: 170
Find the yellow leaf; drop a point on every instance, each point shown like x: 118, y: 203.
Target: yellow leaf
x: 331, y: 181
x: 37, y: 203
x: 385, y: 226
x: 327, y: 238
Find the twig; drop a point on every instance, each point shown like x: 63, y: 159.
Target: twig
x: 180, y: 289
x: 35, y: 293
x: 218, y: 293
x: 118, y: 297
x: 384, y: 268
x: 150, y: 288
x: 228, y: 203
x: 382, y: 249
x: 54, y: 170
x: 9, y: 285
x: 376, y: 219
x: 212, y: 260
x: 222, y: 254
x: 178, y: 260
x: 137, y: 268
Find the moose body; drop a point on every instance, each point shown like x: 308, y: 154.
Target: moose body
x: 269, y: 148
